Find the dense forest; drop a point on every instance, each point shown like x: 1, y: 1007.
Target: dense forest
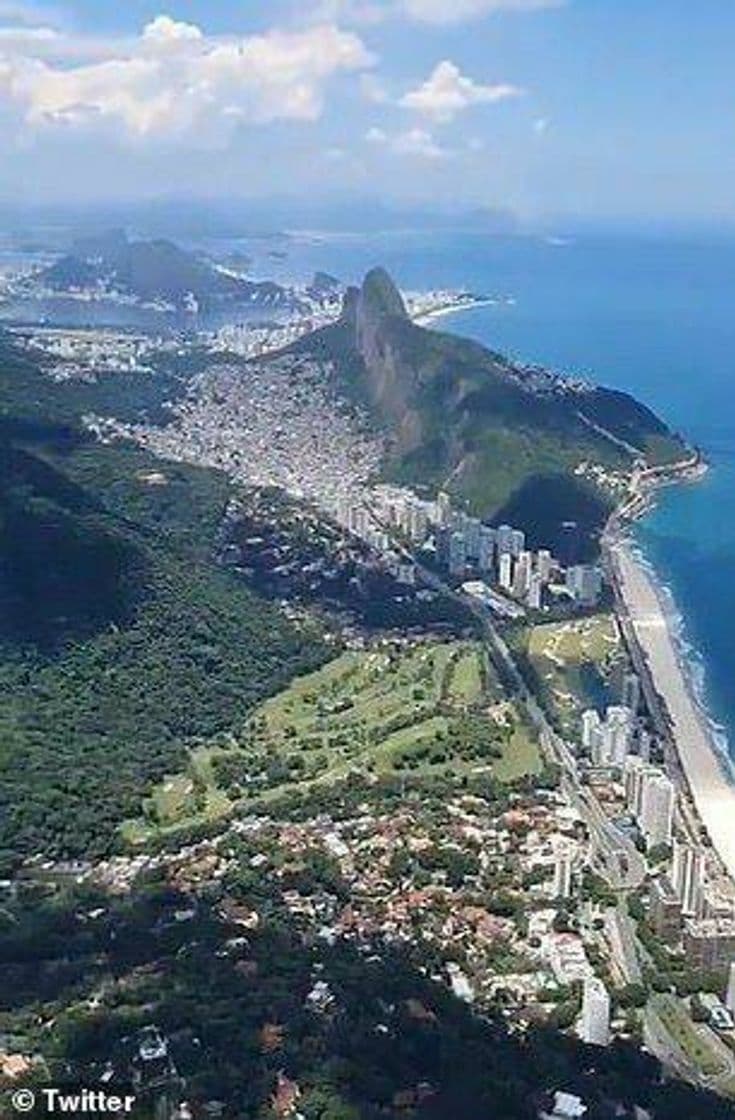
x: 388, y: 1042
x: 121, y: 641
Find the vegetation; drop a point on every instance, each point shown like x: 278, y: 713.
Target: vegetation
x: 461, y: 415
x: 84, y: 972
x: 153, y: 270
x: 681, y: 1028
x: 121, y: 642
x: 430, y: 709
x: 572, y: 666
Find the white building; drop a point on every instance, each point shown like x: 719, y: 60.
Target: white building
x: 644, y: 745
x: 522, y: 574
x: 609, y: 740
x: 595, y: 1025
x: 687, y: 878
x: 504, y: 537
x: 419, y: 523
x: 590, y: 726
x: 473, y: 536
x: 657, y: 808
x: 443, y: 509
x: 566, y: 1107
x: 562, y: 887
x: 505, y: 577
x: 487, y: 549
x: 533, y: 598
x: 619, y: 721
x: 457, y: 554
x: 517, y: 541
x: 633, y: 772
x: 730, y: 996
x: 632, y: 691
x: 584, y: 583
x: 543, y: 564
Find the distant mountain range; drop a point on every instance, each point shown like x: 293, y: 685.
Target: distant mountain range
x: 505, y: 439
x: 157, y: 271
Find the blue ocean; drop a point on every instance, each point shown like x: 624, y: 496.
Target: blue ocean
x: 652, y: 315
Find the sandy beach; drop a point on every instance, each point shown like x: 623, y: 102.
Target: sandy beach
x: 712, y: 791
x: 428, y: 317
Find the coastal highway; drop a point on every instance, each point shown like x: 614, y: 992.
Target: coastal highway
x: 616, y: 857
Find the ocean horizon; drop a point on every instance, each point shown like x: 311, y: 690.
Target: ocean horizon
x: 648, y: 315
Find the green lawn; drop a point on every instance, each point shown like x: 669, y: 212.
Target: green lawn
x: 674, y: 1017
x: 573, y: 662
x: 520, y: 756
x: 466, y: 682
x: 389, y: 710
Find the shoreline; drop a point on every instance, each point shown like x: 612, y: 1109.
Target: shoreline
x: 428, y: 317
x: 682, y: 720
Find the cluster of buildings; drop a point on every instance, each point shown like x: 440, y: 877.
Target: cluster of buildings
x: 270, y: 424
x: 395, y: 865
x: 428, y: 305
x: 687, y: 908
x: 650, y: 798
x: 466, y: 547
x: 253, y: 340
x: 317, y: 307
x: 84, y: 354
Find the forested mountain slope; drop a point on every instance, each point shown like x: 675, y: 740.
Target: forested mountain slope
x: 121, y: 641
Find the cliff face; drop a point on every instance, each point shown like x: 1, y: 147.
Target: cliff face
x: 460, y: 416
x: 379, y: 322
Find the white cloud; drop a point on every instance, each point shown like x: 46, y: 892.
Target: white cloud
x: 415, y: 142
x: 163, y: 31
x: 173, y: 81
x: 447, y: 92
x: 541, y: 125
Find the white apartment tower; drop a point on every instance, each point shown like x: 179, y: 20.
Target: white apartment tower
x: 504, y: 537
x: 633, y: 772
x: 562, y: 887
x: 517, y: 541
x: 506, y: 571
x: 522, y: 574
x: 687, y: 877
x: 590, y: 726
x: 543, y: 564
x: 443, y: 509
x: 487, y: 549
x: 533, y: 598
x: 619, y: 722
x: 595, y: 1027
x: 657, y: 808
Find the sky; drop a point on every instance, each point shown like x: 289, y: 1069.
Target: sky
x: 597, y: 109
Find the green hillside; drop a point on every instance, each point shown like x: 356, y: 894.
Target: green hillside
x: 461, y: 417
x: 121, y: 642
x: 152, y: 270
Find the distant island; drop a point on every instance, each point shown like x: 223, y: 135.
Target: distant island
x: 319, y: 743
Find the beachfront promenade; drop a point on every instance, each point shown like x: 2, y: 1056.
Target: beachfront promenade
x: 711, y: 789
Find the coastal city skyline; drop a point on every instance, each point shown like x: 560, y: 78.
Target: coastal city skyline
x: 367, y: 730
